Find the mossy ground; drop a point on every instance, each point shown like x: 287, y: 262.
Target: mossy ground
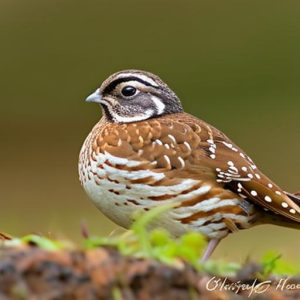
x: 114, y: 267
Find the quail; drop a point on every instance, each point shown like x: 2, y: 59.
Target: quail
x: 146, y: 151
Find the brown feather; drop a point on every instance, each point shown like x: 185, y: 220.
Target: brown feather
x: 184, y: 147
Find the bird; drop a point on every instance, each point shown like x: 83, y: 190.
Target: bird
x: 146, y: 151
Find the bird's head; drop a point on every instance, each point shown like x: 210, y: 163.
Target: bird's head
x: 132, y: 95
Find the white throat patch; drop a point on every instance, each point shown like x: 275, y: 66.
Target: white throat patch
x: 123, y: 119
x: 146, y: 115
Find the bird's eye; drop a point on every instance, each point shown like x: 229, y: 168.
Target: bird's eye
x: 128, y: 91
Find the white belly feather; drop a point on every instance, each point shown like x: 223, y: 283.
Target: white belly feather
x: 111, y: 191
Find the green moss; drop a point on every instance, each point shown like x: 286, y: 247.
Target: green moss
x: 140, y: 241
x: 144, y: 242
x: 158, y: 244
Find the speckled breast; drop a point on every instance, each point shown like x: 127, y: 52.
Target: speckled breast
x: 121, y: 185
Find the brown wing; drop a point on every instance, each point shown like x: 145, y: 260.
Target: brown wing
x: 165, y: 145
x: 238, y: 172
x: 183, y: 146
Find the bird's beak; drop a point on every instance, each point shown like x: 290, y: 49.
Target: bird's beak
x: 95, y: 97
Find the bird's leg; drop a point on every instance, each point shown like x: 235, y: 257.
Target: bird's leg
x: 212, y: 244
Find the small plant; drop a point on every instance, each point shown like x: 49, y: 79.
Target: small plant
x: 160, y: 245
x: 38, y: 241
x: 273, y: 264
x: 143, y: 242
x: 156, y: 243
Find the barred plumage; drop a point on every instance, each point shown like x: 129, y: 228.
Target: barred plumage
x: 146, y: 151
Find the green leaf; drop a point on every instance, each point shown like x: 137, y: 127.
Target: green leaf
x: 273, y: 263
x: 43, y: 242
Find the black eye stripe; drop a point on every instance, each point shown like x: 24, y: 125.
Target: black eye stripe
x: 116, y: 82
x: 107, y: 112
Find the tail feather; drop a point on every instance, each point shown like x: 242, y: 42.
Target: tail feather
x: 295, y: 197
x: 282, y: 220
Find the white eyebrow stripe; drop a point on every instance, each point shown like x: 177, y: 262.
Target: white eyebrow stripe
x: 133, y: 83
x: 141, y: 76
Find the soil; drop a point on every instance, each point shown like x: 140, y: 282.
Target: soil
x: 28, y: 272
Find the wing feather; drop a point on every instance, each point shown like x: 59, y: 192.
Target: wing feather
x: 236, y: 170
x: 183, y: 146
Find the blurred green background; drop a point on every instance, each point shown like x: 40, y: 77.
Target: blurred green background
x: 235, y: 64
